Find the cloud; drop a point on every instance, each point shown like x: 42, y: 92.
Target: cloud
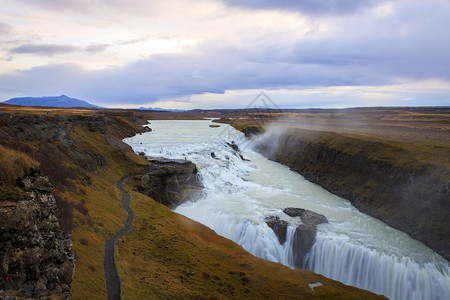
x: 64, y: 5
x: 399, y: 43
x: 98, y: 8
x: 169, y: 76
x: 53, y: 49
x: 310, y: 7
x: 133, y: 41
x: 342, y: 44
x: 173, y: 75
x: 5, y: 29
x: 97, y: 47
x: 44, y: 49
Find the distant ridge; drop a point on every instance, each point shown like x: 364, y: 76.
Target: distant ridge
x: 55, y: 101
x: 159, y: 108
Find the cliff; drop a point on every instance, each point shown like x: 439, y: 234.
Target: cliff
x: 36, y: 259
x: 384, y: 179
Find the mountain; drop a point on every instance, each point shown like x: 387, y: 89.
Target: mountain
x: 160, y: 109
x: 61, y: 101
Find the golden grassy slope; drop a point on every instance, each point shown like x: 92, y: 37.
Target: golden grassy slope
x: 14, y: 165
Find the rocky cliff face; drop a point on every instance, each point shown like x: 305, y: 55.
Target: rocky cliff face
x: 36, y: 259
x: 380, y: 180
x: 170, y: 181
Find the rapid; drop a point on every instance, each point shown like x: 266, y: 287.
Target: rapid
x: 239, y: 194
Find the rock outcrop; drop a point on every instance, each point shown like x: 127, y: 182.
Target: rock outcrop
x: 36, y: 259
x: 307, y: 216
x: 170, y: 181
x: 279, y: 227
x: 304, y: 235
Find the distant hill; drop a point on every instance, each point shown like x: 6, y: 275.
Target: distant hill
x: 159, y: 108
x: 57, y: 101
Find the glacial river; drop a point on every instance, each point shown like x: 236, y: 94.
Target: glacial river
x: 353, y: 248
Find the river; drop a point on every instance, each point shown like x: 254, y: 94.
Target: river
x: 353, y: 248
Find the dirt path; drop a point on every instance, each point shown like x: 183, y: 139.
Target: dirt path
x: 113, y: 284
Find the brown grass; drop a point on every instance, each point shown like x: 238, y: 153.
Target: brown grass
x: 14, y: 165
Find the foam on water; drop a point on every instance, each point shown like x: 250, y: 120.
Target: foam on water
x: 353, y: 248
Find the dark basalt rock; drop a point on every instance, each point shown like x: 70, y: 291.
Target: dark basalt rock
x: 36, y: 259
x: 304, y: 235
x: 170, y: 181
x: 279, y: 227
x: 307, y: 216
x: 233, y: 146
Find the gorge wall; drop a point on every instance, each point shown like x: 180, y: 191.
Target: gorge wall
x: 36, y: 259
x: 380, y: 179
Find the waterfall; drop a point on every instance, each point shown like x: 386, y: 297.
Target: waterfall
x: 353, y: 248
x: 336, y: 257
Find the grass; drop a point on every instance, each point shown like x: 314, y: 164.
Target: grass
x: 15, y: 165
x: 105, y: 215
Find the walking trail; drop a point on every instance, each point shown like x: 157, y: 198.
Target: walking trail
x: 113, y: 284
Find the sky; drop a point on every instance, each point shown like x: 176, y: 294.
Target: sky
x: 190, y: 54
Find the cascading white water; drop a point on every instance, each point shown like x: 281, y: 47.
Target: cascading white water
x: 353, y: 248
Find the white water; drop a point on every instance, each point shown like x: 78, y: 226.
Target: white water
x: 353, y: 248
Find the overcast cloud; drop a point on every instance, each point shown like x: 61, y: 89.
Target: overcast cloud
x: 182, y: 54
x: 313, y: 7
x: 46, y: 50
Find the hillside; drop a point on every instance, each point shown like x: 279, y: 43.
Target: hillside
x: 166, y: 255
x: 59, y: 101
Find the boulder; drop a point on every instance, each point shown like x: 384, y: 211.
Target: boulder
x: 170, y: 181
x: 307, y: 216
x: 304, y: 235
x: 37, y: 183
